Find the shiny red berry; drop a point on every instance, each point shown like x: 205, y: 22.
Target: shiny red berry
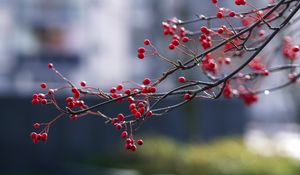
x: 171, y: 46
x: 127, y: 91
x: 152, y: 89
x: 44, y: 137
x: 35, y: 101
x: 50, y: 65
x: 73, y: 117
x: 185, y: 39
x: 33, y: 135
x: 43, y: 85
x: 295, y: 49
x: 146, y: 81
x: 141, y: 55
x: 51, y: 91
x: 113, y: 90
x: 121, y: 117
x: 118, y: 126
x: 141, y: 50
x: 34, y: 96
x: 220, y: 15
x: 175, y: 42
x: 83, y: 84
x: 187, y: 96
x: 133, y: 148
x: 44, y: 101
x: 140, y: 142
x: 231, y: 14
x: 149, y: 114
x: 138, y: 115
x: 132, y: 106
x: 124, y: 134
x: 119, y: 87
x: 181, y: 79
x: 147, y: 42
x: 36, y: 125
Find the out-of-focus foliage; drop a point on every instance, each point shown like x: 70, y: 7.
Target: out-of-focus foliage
x: 222, y: 157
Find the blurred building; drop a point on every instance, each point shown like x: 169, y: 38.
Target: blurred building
x: 94, y: 40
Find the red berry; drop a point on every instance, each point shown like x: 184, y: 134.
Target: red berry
x: 44, y: 101
x: 119, y: 87
x: 133, y: 148
x: 152, y: 89
x: 36, y: 125
x: 147, y: 42
x: 212, y: 65
x: 51, y: 91
x: 129, y: 141
x: 41, y: 96
x: 132, y: 106
x: 128, y: 146
x: 181, y: 79
x: 76, y: 92
x: 73, y: 117
x: 34, y: 96
x: 35, y: 101
x: 171, y: 46
x: 118, y: 126
x: 231, y: 14
x: 142, y: 110
x: 175, y: 42
x: 127, y: 91
x: 187, y: 96
x: 43, y: 85
x: 81, y: 103
x: 69, y: 99
x: 149, y: 114
x: 114, y: 95
x: 121, y: 117
x: 33, y: 135
x: 44, y: 137
x: 141, y: 50
x: 144, y: 90
x: 185, y: 39
x: 214, y: 1
x: 240, y: 2
x: 138, y: 115
x: 83, y: 83
x: 204, y: 29
x: 266, y: 73
x: 114, y: 120
x: 141, y: 105
x: 146, y: 81
x: 220, y: 30
x: 50, y: 65
x: 220, y: 15
x: 295, y: 49
x: 113, y: 90
x: 140, y: 142
x: 130, y: 99
x: 134, y: 111
x: 124, y: 134
x: 141, y: 55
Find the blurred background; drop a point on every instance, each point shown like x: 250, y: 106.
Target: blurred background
x: 96, y: 41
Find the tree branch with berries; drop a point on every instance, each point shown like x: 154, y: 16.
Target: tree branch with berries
x: 230, y: 61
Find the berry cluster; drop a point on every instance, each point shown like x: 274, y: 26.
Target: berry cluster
x: 229, y: 58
